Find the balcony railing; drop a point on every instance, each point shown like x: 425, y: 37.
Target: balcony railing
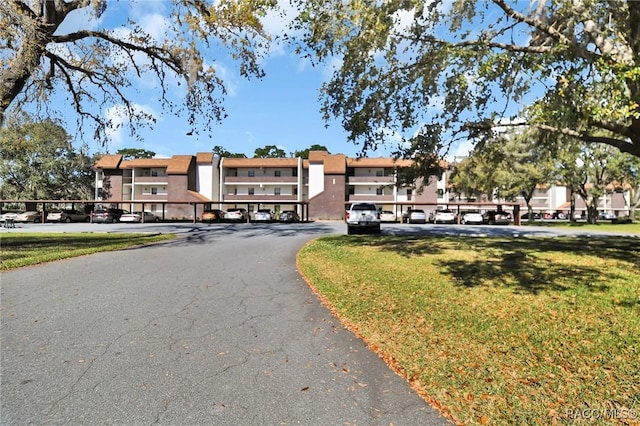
x: 261, y: 198
x: 371, y: 198
x: 380, y: 180
x: 232, y: 180
x: 139, y: 180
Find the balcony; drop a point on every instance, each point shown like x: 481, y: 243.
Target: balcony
x: 261, y: 198
x: 234, y: 180
x: 372, y: 180
x: 141, y: 180
x: 371, y: 198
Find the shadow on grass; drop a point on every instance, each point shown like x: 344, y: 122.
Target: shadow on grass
x: 513, y: 262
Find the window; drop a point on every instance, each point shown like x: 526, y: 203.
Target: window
x: 295, y: 190
x: 440, y: 192
x: 352, y: 190
x: 154, y: 207
x: 276, y: 191
x: 251, y: 191
x: 379, y: 191
x: 379, y: 173
x: 294, y: 172
x: 409, y: 194
x: 351, y: 171
x: 252, y: 173
x: 154, y: 191
x: 277, y: 173
x: 154, y: 173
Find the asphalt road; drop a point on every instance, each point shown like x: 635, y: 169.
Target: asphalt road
x: 216, y: 327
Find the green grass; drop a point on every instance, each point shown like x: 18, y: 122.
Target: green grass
x: 491, y: 330
x: 604, y: 226
x: 24, y: 249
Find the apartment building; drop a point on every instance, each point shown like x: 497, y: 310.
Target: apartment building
x: 318, y: 187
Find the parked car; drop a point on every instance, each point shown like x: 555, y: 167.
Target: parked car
x: 493, y: 217
x: 363, y: 216
x: 387, y: 216
x: 137, y: 217
x: 289, y: 216
x: 472, y: 218
x: 263, y: 215
x: 212, y: 215
x: 67, y: 216
x: 236, y: 215
x: 534, y: 215
x: 29, y: 216
x: 417, y: 216
x: 603, y: 216
x: 108, y: 215
x: 559, y: 216
x: 9, y: 215
x: 443, y: 216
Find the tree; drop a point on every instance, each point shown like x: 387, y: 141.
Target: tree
x: 222, y: 152
x: 101, y: 68
x: 586, y: 170
x: 456, y: 69
x: 39, y: 162
x: 269, y: 151
x: 305, y: 152
x: 626, y: 172
x: 131, y: 153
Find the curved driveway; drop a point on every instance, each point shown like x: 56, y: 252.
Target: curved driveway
x: 216, y: 327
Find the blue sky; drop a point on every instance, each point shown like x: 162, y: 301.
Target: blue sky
x: 281, y: 109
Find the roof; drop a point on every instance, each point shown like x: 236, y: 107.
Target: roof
x: 198, y: 196
x: 108, y: 162
x: 145, y: 162
x: 204, y: 157
x: 260, y: 162
x: 179, y: 164
x: 377, y: 162
x: 333, y: 163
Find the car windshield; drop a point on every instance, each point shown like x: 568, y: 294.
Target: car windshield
x: 363, y: 207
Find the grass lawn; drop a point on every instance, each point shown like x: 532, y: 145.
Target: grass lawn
x: 491, y: 330
x: 23, y: 249
x: 604, y: 226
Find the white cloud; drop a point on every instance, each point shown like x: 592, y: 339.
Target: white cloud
x: 117, y: 115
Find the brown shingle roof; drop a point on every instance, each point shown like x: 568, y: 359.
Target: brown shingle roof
x: 260, y: 162
x: 179, y: 164
x: 108, y: 162
x: 204, y: 157
x: 377, y: 162
x: 145, y: 162
x: 333, y: 163
x: 198, y: 196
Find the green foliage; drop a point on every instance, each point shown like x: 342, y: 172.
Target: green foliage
x: 305, y: 152
x: 468, y: 66
x: 131, y: 153
x: 508, y: 166
x: 39, y: 162
x: 98, y: 65
x: 269, y: 151
x: 222, y: 152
